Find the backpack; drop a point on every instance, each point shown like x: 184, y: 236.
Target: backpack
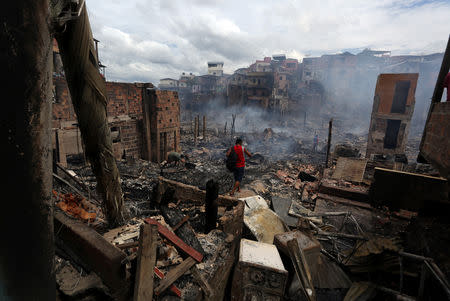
x: 231, y: 160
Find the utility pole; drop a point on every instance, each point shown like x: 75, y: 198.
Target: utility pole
x: 27, y: 270
x: 204, y: 127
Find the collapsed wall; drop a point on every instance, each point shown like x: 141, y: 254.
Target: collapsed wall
x: 393, y: 107
x: 125, y: 117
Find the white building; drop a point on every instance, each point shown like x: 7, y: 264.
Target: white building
x: 168, y: 83
x: 215, y: 68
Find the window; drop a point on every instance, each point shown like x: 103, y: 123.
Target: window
x: 400, y: 96
x: 392, y: 129
x: 308, y: 73
x: 115, y: 134
x: 170, y: 120
x: 259, y: 81
x: 254, y: 81
x: 281, y: 78
x: 167, y: 108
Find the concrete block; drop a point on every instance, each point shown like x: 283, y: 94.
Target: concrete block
x: 259, y: 274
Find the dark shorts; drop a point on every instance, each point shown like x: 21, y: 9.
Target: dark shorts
x: 238, y: 174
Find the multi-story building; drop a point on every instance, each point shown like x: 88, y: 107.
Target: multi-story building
x: 215, y: 68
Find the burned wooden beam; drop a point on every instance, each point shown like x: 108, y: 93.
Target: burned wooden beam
x: 184, y: 192
x: 148, y: 241
x: 179, y: 243
x: 301, y: 269
x: 94, y: 250
x: 173, y: 288
x: 174, y: 274
x: 343, y: 192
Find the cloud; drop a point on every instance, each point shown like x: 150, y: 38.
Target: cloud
x: 145, y: 40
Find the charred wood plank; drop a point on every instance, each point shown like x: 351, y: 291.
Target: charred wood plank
x: 174, y: 274
x: 148, y: 241
x: 301, y: 269
x: 343, y: 192
x: 93, y: 249
x: 178, y: 242
x: 184, y: 192
x: 173, y: 288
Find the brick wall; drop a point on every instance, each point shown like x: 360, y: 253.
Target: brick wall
x: 164, y: 123
x: 124, y: 99
x: 130, y: 137
x: 124, y: 111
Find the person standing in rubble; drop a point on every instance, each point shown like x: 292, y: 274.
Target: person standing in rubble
x: 240, y: 164
x: 315, y: 142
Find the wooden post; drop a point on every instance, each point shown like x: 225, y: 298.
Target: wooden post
x: 148, y: 241
x: 146, y: 112
x: 301, y: 269
x: 27, y: 267
x: 195, y: 131
x: 198, y: 126
x: 204, y: 127
x: 330, y: 127
x: 212, y: 192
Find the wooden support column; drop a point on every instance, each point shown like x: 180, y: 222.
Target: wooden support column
x: 195, y: 130
x: 212, y: 193
x: 330, y: 127
x: 198, y: 126
x: 146, y: 112
x: 148, y: 241
x: 27, y: 252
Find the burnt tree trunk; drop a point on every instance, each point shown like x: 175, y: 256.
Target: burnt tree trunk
x: 26, y: 218
x: 88, y: 93
x: 212, y: 193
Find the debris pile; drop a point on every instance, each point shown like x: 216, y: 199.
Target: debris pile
x: 296, y: 231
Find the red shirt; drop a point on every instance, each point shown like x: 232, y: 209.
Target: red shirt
x: 447, y: 85
x: 239, y: 150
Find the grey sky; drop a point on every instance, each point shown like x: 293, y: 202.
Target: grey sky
x: 145, y: 40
